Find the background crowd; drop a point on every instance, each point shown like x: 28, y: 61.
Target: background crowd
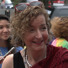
x: 38, y: 41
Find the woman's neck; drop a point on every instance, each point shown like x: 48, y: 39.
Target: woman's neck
x: 3, y: 43
x: 36, y: 56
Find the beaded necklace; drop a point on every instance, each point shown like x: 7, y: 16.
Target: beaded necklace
x: 28, y: 61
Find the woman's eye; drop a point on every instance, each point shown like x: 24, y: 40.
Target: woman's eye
x: 31, y: 30
x: 43, y: 28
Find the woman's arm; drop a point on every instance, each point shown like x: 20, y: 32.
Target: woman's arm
x: 8, y: 62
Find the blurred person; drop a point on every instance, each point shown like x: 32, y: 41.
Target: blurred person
x: 59, y: 28
x: 3, y: 4
x: 31, y: 0
x: 5, y: 38
x: 31, y: 26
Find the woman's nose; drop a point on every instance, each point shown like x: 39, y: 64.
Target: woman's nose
x: 38, y: 34
x: 5, y: 29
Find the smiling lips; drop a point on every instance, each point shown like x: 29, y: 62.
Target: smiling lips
x: 6, y: 34
x: 38, y: 42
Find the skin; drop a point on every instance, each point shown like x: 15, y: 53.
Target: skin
x: 36, y: 37
x: 35, y: 40
x: 4, y: 33
x: 4, y: 29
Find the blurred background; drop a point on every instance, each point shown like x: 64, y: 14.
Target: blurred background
x: 7, y: 6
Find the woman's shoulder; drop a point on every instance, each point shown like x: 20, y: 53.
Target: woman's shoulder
x: 8, y: 62
x: 59, y: 56
x: 63, y: 52
x: 62, y: 57
x: 58, y: 51
x: 9, y: 57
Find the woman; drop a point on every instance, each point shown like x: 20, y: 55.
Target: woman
x: 4, y: 36
x: 5, y: 30
x: 32, y: 27
x: 59, y: 28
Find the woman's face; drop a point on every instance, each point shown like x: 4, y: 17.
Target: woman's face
x: 4, y: 29
x: 36, y: 37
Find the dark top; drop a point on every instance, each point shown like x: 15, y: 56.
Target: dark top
x: 18, y: 60
x: 57, y: 57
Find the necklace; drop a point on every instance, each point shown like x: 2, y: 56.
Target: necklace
x: 28, y: 62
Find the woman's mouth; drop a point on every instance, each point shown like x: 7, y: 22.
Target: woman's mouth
x: 38, y: 42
